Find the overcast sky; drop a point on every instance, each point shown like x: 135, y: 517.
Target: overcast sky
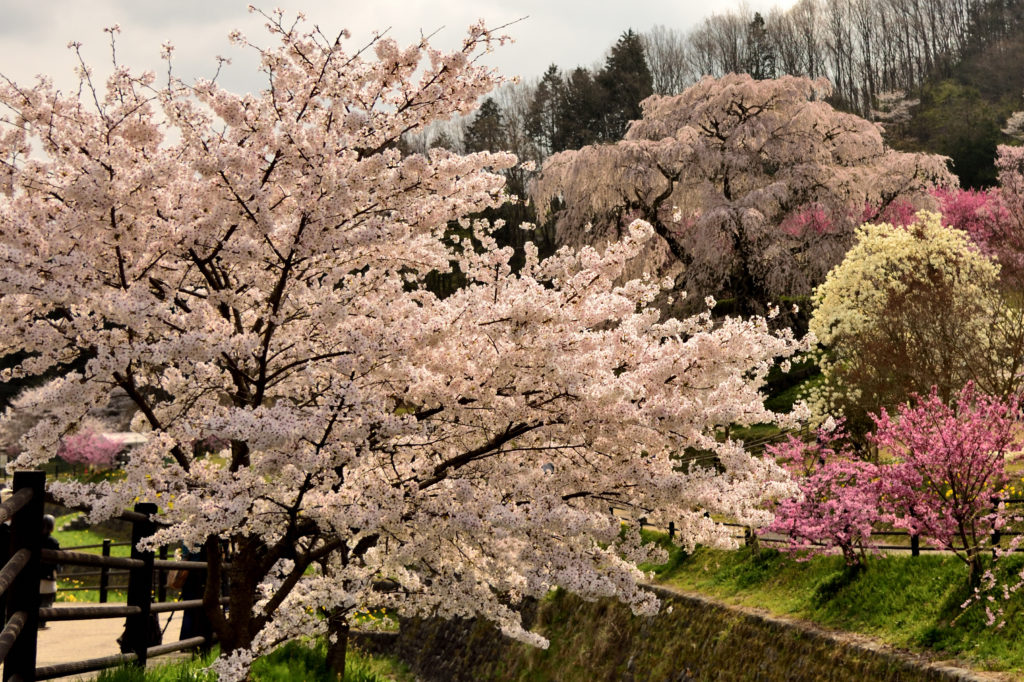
x: 34, y: 33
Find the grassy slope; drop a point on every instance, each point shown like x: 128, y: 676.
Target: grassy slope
x: 294, y: 661
x: 906, y: 601
x: 77, y: 538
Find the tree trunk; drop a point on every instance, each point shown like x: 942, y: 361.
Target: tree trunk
x: 238, y: 629
x: 750, y: 540
x: 337, y: 643
x: 977, y: 569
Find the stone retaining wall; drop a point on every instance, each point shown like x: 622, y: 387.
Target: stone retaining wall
x: 691, y: 639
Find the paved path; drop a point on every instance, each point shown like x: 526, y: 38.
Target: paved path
x: 75, y: 640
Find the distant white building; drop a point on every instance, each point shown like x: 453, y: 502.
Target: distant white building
x: 128, y: 439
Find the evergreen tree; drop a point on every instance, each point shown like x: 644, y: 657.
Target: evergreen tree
x: 760, y: 54
x: 542, y: 119
x: 625, y: 81
x: 487, y: 131
x: 444, y: 141
x: 581, y: 112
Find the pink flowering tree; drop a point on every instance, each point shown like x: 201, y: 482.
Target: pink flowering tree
x: 251, y: 266
x: 991, y: 221
x: 950, y: 468
x: 838, y: 502
x: 1004, y: 236
x: 90, y: 449
x: 754, y: 187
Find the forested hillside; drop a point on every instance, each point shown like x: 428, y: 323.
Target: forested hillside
x: 942, y: 75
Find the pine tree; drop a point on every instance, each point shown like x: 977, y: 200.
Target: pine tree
x: 760, y: 55
x: 580, y: 112
x: 487, y: 131
x: 625, y: 81
x: 542, y: 120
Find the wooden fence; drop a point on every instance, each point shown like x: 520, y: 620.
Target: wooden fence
x: 19, y: 588
x: 913, y: 541
x: 106, y: 575
x: 913, y: 544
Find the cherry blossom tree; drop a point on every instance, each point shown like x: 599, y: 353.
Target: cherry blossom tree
x: 1002, y: 230
x: 911, y: 307
x: 839, y: 499
x: 249, y: 267
x: 727, y: 173
x: 950, y: 469
x: 90, y: 449
x: 993, y: 218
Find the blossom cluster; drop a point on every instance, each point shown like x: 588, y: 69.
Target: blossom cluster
x: 911, y: 307
x: 942, y: 474
x: 249, y: 269
x: 89, y: 448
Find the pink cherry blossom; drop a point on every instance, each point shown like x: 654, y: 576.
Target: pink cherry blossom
x: 89, y: 448
x: 252, y: 266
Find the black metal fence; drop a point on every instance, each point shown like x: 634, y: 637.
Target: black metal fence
x: 19, y: 588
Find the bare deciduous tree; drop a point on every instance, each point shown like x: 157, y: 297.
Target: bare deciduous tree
x: 668, y: 57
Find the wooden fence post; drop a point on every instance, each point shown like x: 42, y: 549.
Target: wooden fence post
x: 140, y: 586
x: 5, y: 555
x: 27, y: 533
x: 996, y: 535
x: 161, y: 578
x: 750, y: 539
x: 105, y: 573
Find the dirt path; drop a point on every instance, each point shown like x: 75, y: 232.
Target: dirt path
x: 75, y: 640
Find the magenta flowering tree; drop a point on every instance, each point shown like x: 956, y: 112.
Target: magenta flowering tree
x: 838, y: 502
x: 986, y: 216
x: 90, y: 449
x: 950, y: 468
x: 252, y: 266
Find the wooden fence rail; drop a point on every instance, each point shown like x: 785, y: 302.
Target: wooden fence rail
x: 19, y: 588
x: 914, y: 545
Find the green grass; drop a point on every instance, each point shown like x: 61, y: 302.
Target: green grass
x: 298, y: 661
x: 783, y: 401
x: 293, y: 661
x: 752, y: 433
x: 906, y: 601
x: 87, y: 596
x: 77, y: 538
x: 182, y: 670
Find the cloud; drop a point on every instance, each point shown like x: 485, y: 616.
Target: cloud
x: 569, y: 33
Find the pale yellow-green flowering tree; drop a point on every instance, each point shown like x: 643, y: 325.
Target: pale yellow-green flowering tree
x: 907, y: 309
